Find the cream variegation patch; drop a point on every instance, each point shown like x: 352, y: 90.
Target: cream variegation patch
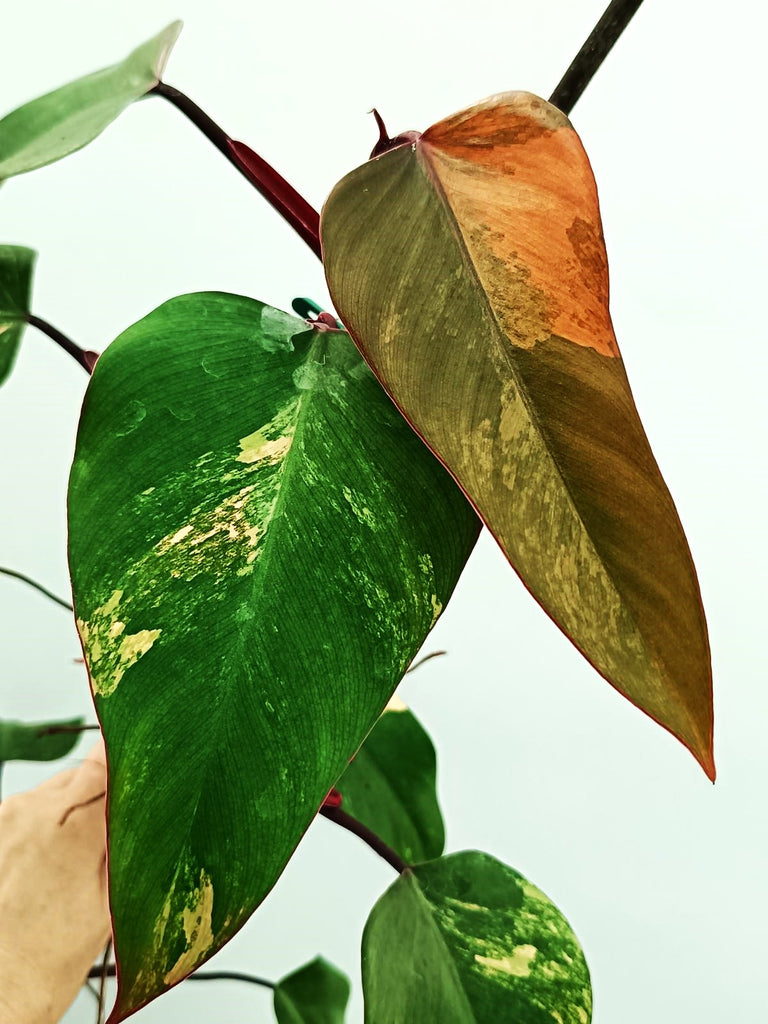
x: 396, y: 703
x: 256, y: 447
x: 196, y: 921
x: 110, y: 651
x: 517, y: 964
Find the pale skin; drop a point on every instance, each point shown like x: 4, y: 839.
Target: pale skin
x: 54, y: 915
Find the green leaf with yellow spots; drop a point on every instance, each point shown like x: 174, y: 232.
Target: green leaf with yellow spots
x: 38, y: 741
x: 467, y: 940
x: 391, y: 786
x: 259, y: 545
x: 316, y: 993
x: 16, y: 266
x: 63, y: 121
x: 469, y: 266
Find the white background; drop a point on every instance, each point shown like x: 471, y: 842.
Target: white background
x: 541, y: 763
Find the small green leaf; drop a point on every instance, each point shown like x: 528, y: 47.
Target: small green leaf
x: 16, y: 266
x: 31, y: 741
x: 316, y: 993
x: 65, y: 120
x: 259, y: 545
x: 467, y: 940
x: 390, y: 787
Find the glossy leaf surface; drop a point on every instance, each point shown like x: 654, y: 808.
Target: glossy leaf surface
x: 315, y: 994
x: 259, y: 545
x: 390, y: 787
x: 16, y: 267
x: 65, y: 120
x: 31, y: 741
x: 467, y: 940
x: 470, y: 268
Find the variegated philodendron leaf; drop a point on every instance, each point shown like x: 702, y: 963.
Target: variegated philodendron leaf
x: 259, y: 545
x: 467, y: 940
x: 470, y: 268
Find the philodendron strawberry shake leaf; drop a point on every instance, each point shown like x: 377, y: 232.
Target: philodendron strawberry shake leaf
x: 469, y: 266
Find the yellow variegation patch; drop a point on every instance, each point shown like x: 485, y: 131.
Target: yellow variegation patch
x: 196, y: 921
x: 110, y: 651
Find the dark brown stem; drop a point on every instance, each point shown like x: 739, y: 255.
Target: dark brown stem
x: 95, y: 972
x: 357, y: 828
x: 38, y: 586
x: 103, y: 982
x: 289, y: 203
x: 427, y: 657
x: 54, y: 730
x: 617, y: 16
x: 85, y: 357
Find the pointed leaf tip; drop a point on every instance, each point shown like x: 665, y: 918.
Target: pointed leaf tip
x: 59, y: 123
x: 470, y: 268
x: 316, y: 993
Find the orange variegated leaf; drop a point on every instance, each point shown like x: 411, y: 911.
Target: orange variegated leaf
x: 469, y: 266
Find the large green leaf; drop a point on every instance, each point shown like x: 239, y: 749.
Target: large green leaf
x: 16, y: 266
x: 470, y: 268
x: 259, y: 545
x: 38, y: 741
x: 467, y: 940
x: 390, y: 787
x: 316, y: 993
x: 65, y: 120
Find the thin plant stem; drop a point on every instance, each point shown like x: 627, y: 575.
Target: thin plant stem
x: 54, y: 730
x: 85, y: 357
x: 103, y: 982
x: 95, y: 972
x: 357, y: 828
x: 294, y: 208
x: 427, y: 657
x: 38, y: 586
x: 617, y: 16
x: 289, y: 203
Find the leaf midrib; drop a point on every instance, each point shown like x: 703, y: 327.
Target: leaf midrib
x: 410, y: 878
x: 434, y: 180
x: 223, y: 704
x: 234, y: 651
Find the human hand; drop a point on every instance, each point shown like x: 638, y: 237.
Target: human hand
x: 54, y: 914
